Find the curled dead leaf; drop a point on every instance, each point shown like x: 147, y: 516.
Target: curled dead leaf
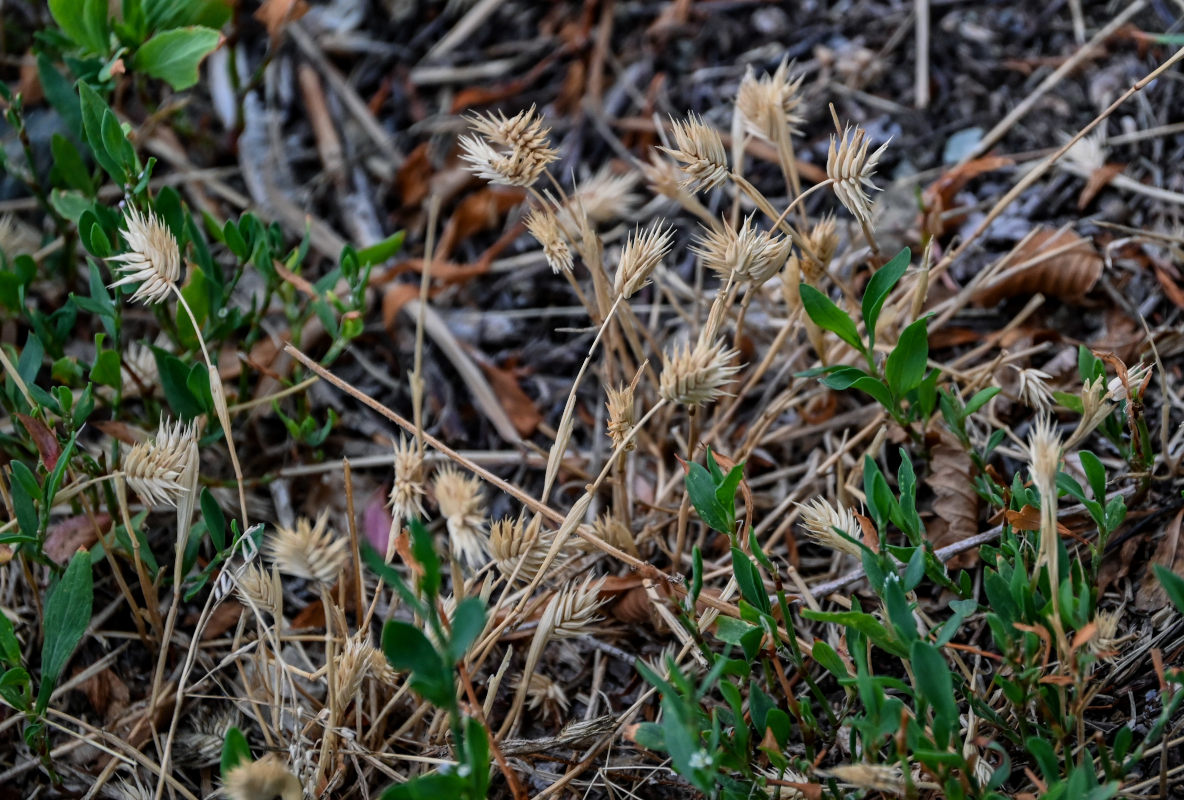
x: 955, y: 502
x: 1058, y: 264
x: 633, y: 607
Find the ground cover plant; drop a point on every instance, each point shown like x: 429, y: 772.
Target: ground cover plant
x: 521, y: 400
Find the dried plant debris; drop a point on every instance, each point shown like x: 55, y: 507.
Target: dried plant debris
x: 760, y: 400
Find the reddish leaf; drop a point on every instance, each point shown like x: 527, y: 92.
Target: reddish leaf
x: 68, y: 536
x: 520, y: 408
x: 1098, y: 181
x: 43, y: 438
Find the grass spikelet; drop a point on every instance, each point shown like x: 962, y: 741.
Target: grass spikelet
x: 518, y: 548
x: 695, y: 376
x: 542, y: 692
x: 874, y: 777
x: 768, y: 102
x: 622, y: 415
x: 153, y: 259
x: 406, y: 496
x: 513, y: 151
x: 824, y: 241
x: 459, y: 499
x: 820, y: 519
x: 544, y: 227
x: 602, y: 198
x: 642, y: 253
x: 573, y: 609
x: 264, y: 779
x: 747, y: 254
x: 616, y: 533
x: 261, y: 589
x: 700, y: 150
x: 156, y: 469
x: 850, y: 166
x: 309, y: 551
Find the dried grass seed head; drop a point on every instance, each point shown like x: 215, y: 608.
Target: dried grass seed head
x: 876, y: 777
x: 604, y: 197
x: 407, y: 491
x: 748, y: 254
x: 459, y: 498
x: 310, y: 551
x: 769, y: 104
x: 700, y: 150
x: 850, y: 166
x: 156, y: 469
x: 573, y: 608
x: 261, y: 589
x: 622, y: 416
x: 152, y: 260
x: 616, y: 533
x: 355, y: 662
x: 820, y: 519
x: 643, y: 252
x: 824, y: 241
x: 517, y: 548
x: 543, y: 692
x: 1044, y: 456
x: 544, y: 227
x: 264, y: 779
x: 695, y: 376
x: 1104, y: 643
x: 508, y: 150
x: 1033, y: 388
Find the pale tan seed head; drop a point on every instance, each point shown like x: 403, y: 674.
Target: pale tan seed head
x: 791, y: 279
x: 264, y: 779
x: 604, y: 197
x: 663, y: 177
x: 1033, y: 388
x: 1044, y: 456
x: 459, y: 498
x: 876, y: 777
x: 407, y: 491
x: 542, y: 692
x: 747, y: 255
x: 261, y: 589
x: 622, y: 415
x: 700, y: 150
x: 851, y: 167
x: 697, y: 375
x: 152, y: 260
x: 200, y: 744
x: 519, y: 550
x: 544, y: 227
x: 769, y: 104
x: 357, y: 660
x: 616, y: 533
x: 310, y: 551
x: 508, y: 150
x: 572, y: 610
x: 820, y: 519
x: 824, y: 241
x: 139, y: 374
x: 157, y: 468
x: 643, y: 252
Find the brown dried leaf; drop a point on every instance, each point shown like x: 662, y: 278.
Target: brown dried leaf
x: 275, y: 14
x: 43, y: 438
x: 633, y: 607
x: 519, y: 407
x: 940, y: 195
x: 67, y: 537
x: 107, y: 693
x: 955, y: 502
x: 1172, y: 289
x: 1169, y: 553
x: 1098, y: 181
x: 1030, y: 269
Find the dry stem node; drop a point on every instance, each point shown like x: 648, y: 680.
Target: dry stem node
x: 695, y: 376
x: 701, y: 151
x: 312, y: 552
x: 850, y: 166
x: 522, y: 149
x: 155, y: 469
x: 153, y: 259
x: 459, y: 499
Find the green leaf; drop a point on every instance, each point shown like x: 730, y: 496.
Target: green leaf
x: 748, y: 578
x: 381, y: 251
x: 106, y: 370
x: 175, y: 381
x: 650, y: 736
x: 830, y: 317
x: 10, y: 648
x: 906, y: 363
x: 162, y: 14
x: 84, y: 21
x: 215, y: 520
x: 898, y: 608
x: 731, y: 630
x: 424, y: 553
x: 828, y: 659
x: 878, y: 288
x: 174, y: 55
x: 874, y: 388
x: 60, y: 94
x: 1095, y: 473
x: 68, y: 165
x: 116, y: 142
x: 235, y: 750
x: 935, y: 684
x: 67, y: 615
x: 22, y: 499
x: 408, y: 649
x: 93, y: 110
x: 426, y: 787
x: 467, y: 623
x: 1173, y: 584
x: 843, y: 378
x: 701, y: 490
x: 980, y: 399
